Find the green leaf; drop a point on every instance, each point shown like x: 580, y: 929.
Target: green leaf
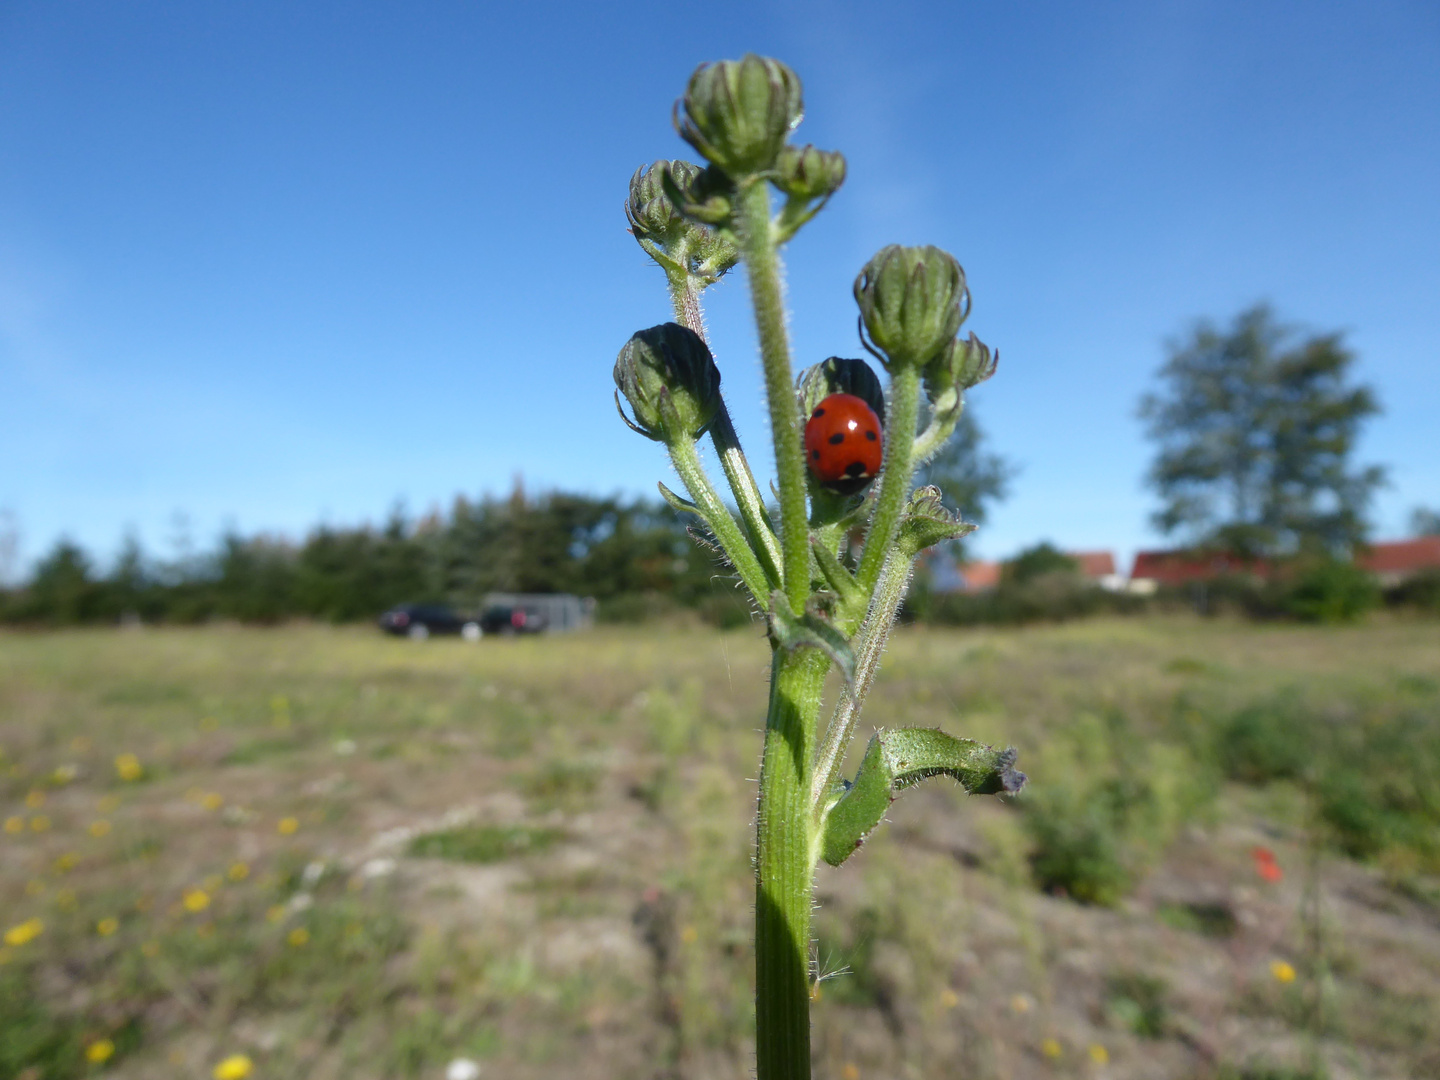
x: 927, y: 522
x: 812, y: 630
x: 685, y: 506
x: 900, y: 758
x: 853, y: 599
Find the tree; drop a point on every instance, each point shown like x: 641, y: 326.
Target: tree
x: 1425, y: 522
x: 969, y: 477
x: 1255, y: 430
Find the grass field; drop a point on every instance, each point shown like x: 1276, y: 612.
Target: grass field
x: 346, y: 856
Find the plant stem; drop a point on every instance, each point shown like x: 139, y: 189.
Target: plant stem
x: 904, y: 409
x: 874, y: 632
x: 717, y: 515
x: 747, y: 495
x: 784, y: 865
x: 762, y: 262
x: 685, y: 298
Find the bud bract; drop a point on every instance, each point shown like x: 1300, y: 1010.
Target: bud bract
x: 838, y: 375
x: 703, y: 195
x: 737, y: 113
x: 669, y: 378
x: 960, y: 366
x: 912, y: 302
x: 807, y: 173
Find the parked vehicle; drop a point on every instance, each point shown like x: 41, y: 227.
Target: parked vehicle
x: 511, y: 619
x: 419, y: 621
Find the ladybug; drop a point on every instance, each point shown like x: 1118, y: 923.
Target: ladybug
x: 843, y: 445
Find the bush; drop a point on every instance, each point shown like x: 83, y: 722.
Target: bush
x: 1106, y: 803
x: 1332, y: 592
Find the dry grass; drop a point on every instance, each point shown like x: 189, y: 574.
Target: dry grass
x: 581, y: 906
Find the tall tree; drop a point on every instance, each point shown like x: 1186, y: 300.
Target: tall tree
x: 1255, y: 428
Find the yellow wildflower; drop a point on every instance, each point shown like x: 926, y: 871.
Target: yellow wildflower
x: 238, y: 871
x: 949, y: 998
x: 287, y: 826
x: 234, y: 1067
x: 1282, y: 971
x: 65, y: 899
x: 35, y: 800
x: 1098, y: 1054
x: 39, y: 823
x: 196, y: 900
x: 99, y: 1052
x: 107, y: 926
x: 689, y: 935
x: 851, y: 1071
x: 99, y: 828
x: 212, y: 801
x: 14, y: 825
x: 65, y: 863
x: 127, y: 767
x: 276, y: 913
x: 24, y: 933
x: 1050, y: 1048
x: 298, y: 937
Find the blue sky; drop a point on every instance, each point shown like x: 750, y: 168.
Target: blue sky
x: 267, y: 265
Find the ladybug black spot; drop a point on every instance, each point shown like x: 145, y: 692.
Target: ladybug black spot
x: 855, y: 468
x: 837, y: 438
x: 871, y: 436
x: 815, y: 454
x: 818, y: 411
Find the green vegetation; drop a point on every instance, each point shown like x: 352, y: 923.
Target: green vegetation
x: 578, y: 904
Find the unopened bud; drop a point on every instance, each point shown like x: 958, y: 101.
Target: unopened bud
x: 912, y: 302
x: 669, y: 378
x: 650, y: 211
x: 703, y: 195
x: 960, y: 366
x: 838, y: 375
x: 807, y: 173
x: 737, y: 113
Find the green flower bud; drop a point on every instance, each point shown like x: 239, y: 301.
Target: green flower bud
x: 650, y: 211
x: 912, y: 302
x: 703, y: 196
x: 739, y: 112
x: 807, y: 173
x: 838, y: 375
x: 657, y: 208
x: 960, y: 366
x: 671, y: 382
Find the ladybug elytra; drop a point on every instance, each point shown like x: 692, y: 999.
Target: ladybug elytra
x: 843, y: 444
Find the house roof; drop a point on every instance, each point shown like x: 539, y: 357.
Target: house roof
x: 1400, y: 556
x: 1182, y: 567
x: 1094, y: 564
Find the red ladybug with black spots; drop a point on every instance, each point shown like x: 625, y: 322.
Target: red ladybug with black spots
x: 843, y: 444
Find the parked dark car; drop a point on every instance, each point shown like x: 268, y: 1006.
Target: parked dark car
x: 419, y: 621
x: 511, y: 620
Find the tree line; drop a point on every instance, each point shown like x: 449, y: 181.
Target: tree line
x: 633, y: 556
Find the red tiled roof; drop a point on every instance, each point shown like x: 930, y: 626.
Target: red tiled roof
x: 1400, y: 556
x: 980, y: 576
x: 1094, y: 564
x: 1182, y: 567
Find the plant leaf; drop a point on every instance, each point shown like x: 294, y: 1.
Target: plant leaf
x: 811, y: 630
x: 900, y: 758
x: 927, y: 522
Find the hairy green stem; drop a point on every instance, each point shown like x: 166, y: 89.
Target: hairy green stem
x: 784, y: 868
x: 762, y: 262
x: 901, y: 415
x: 938, y: 431
x: 747, y: 495
x: 874, y: 632
x: 685, y: 298
x: 717, y: 515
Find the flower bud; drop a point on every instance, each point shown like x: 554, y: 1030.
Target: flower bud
x: 650, y: 211
x: 807, y: 173
x: 671, y: 382
x: 912, y: 302
x: 738, y: 112
x: 960, y: 366
x: 703, y: 195
x: 838, y: 375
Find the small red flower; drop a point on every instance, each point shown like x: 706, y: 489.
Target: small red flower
x: 1265, y: 864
